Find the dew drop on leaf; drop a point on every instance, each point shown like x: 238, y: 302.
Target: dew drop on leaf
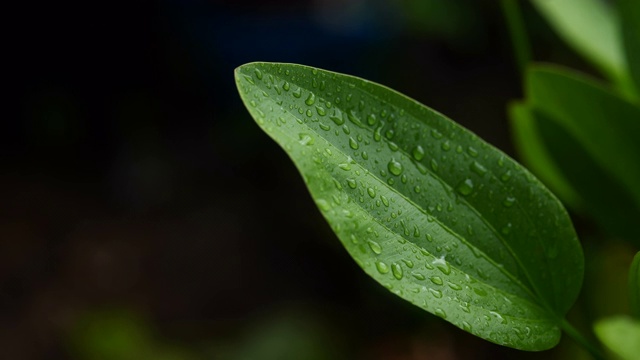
x: 395, y: 167
x: 382, y: 267
x: 375, y: 247
x: 311, y: 99
x: 465, y: 187
x: 353, y: 143
x: 418, y: 153
x: 396, y: 269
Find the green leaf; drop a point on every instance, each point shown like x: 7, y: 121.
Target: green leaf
x: 621, y: 335
x: 630, y: 14
x: 591, y: 27
x: 425, y: 207
x: 562, y: 162
x: 604, y: 124
x: 535, y: 155
x: 634, y: 286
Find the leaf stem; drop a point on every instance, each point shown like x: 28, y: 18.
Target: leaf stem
x: 581, y: 340
x: 517, y: 33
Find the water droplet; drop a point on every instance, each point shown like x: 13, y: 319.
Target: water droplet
x: 506, y: 176
x: 249, y: 79
x: 471, y: 151
x: 311, y: 99
x: 286, y: 86
x: 375, y: 247
x: 377, y: 134
x: 418, y: 153
x: 506, y: 229
x: 382, y: 267
x: 436, y: 280
x: 385, y: 201
x: 325, y: 127
x: 395, y: 167
x: 389, y: 134
x: 465, y: 187
x: 439, y: 312
x: 477, y: 168
x: 323, y: 204
x: 436, y: 293
x: 353, y: 143
x: 258, y: 74
x: 465, y: 307
x: 416, y: 231
x: 371, y: 119
x: 352, y: 183
x: 454, y: 286
x: 297, y: 93
x: 365, y: 155
x: 371, y: 192
x: 320, y: 110
x: 436, y: 134
x: 305, y: 139
x: 417, y: 275
x: 466, y: 326
x: 396, y: 269
x: 345, y: 166
x: 446, y: 146
x: 498, y: 317
x: 434, y: 165
x: 519, y: 333
x: 417, y: 189
x: 409, y: 263
x: 509, y: 201
x: 480, y: 291
x: 309, y: 113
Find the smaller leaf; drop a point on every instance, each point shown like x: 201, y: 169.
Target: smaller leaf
x: 621, y: 335
x: 591, y: 27
x: 534, y: 153
x: 630, y: 14
x: 634, y: 286
x: 606, y: 125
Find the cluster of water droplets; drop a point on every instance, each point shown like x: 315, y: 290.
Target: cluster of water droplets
x: 357, y: 132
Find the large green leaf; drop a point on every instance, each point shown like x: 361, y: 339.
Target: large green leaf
x: 562, y: 162
x: 621, y: 335
x: 591, y: 27
x: 630, y: 14
x: 604, y: 124
x: 424, y: 206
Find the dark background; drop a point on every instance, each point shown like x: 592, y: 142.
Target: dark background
x: 144, y: 215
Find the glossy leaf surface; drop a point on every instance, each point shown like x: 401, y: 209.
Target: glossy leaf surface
x: 604, y: 124
x: 621, y: 335
x: 591, y: 27
x: 424, y: 206
x: 634, y: 286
